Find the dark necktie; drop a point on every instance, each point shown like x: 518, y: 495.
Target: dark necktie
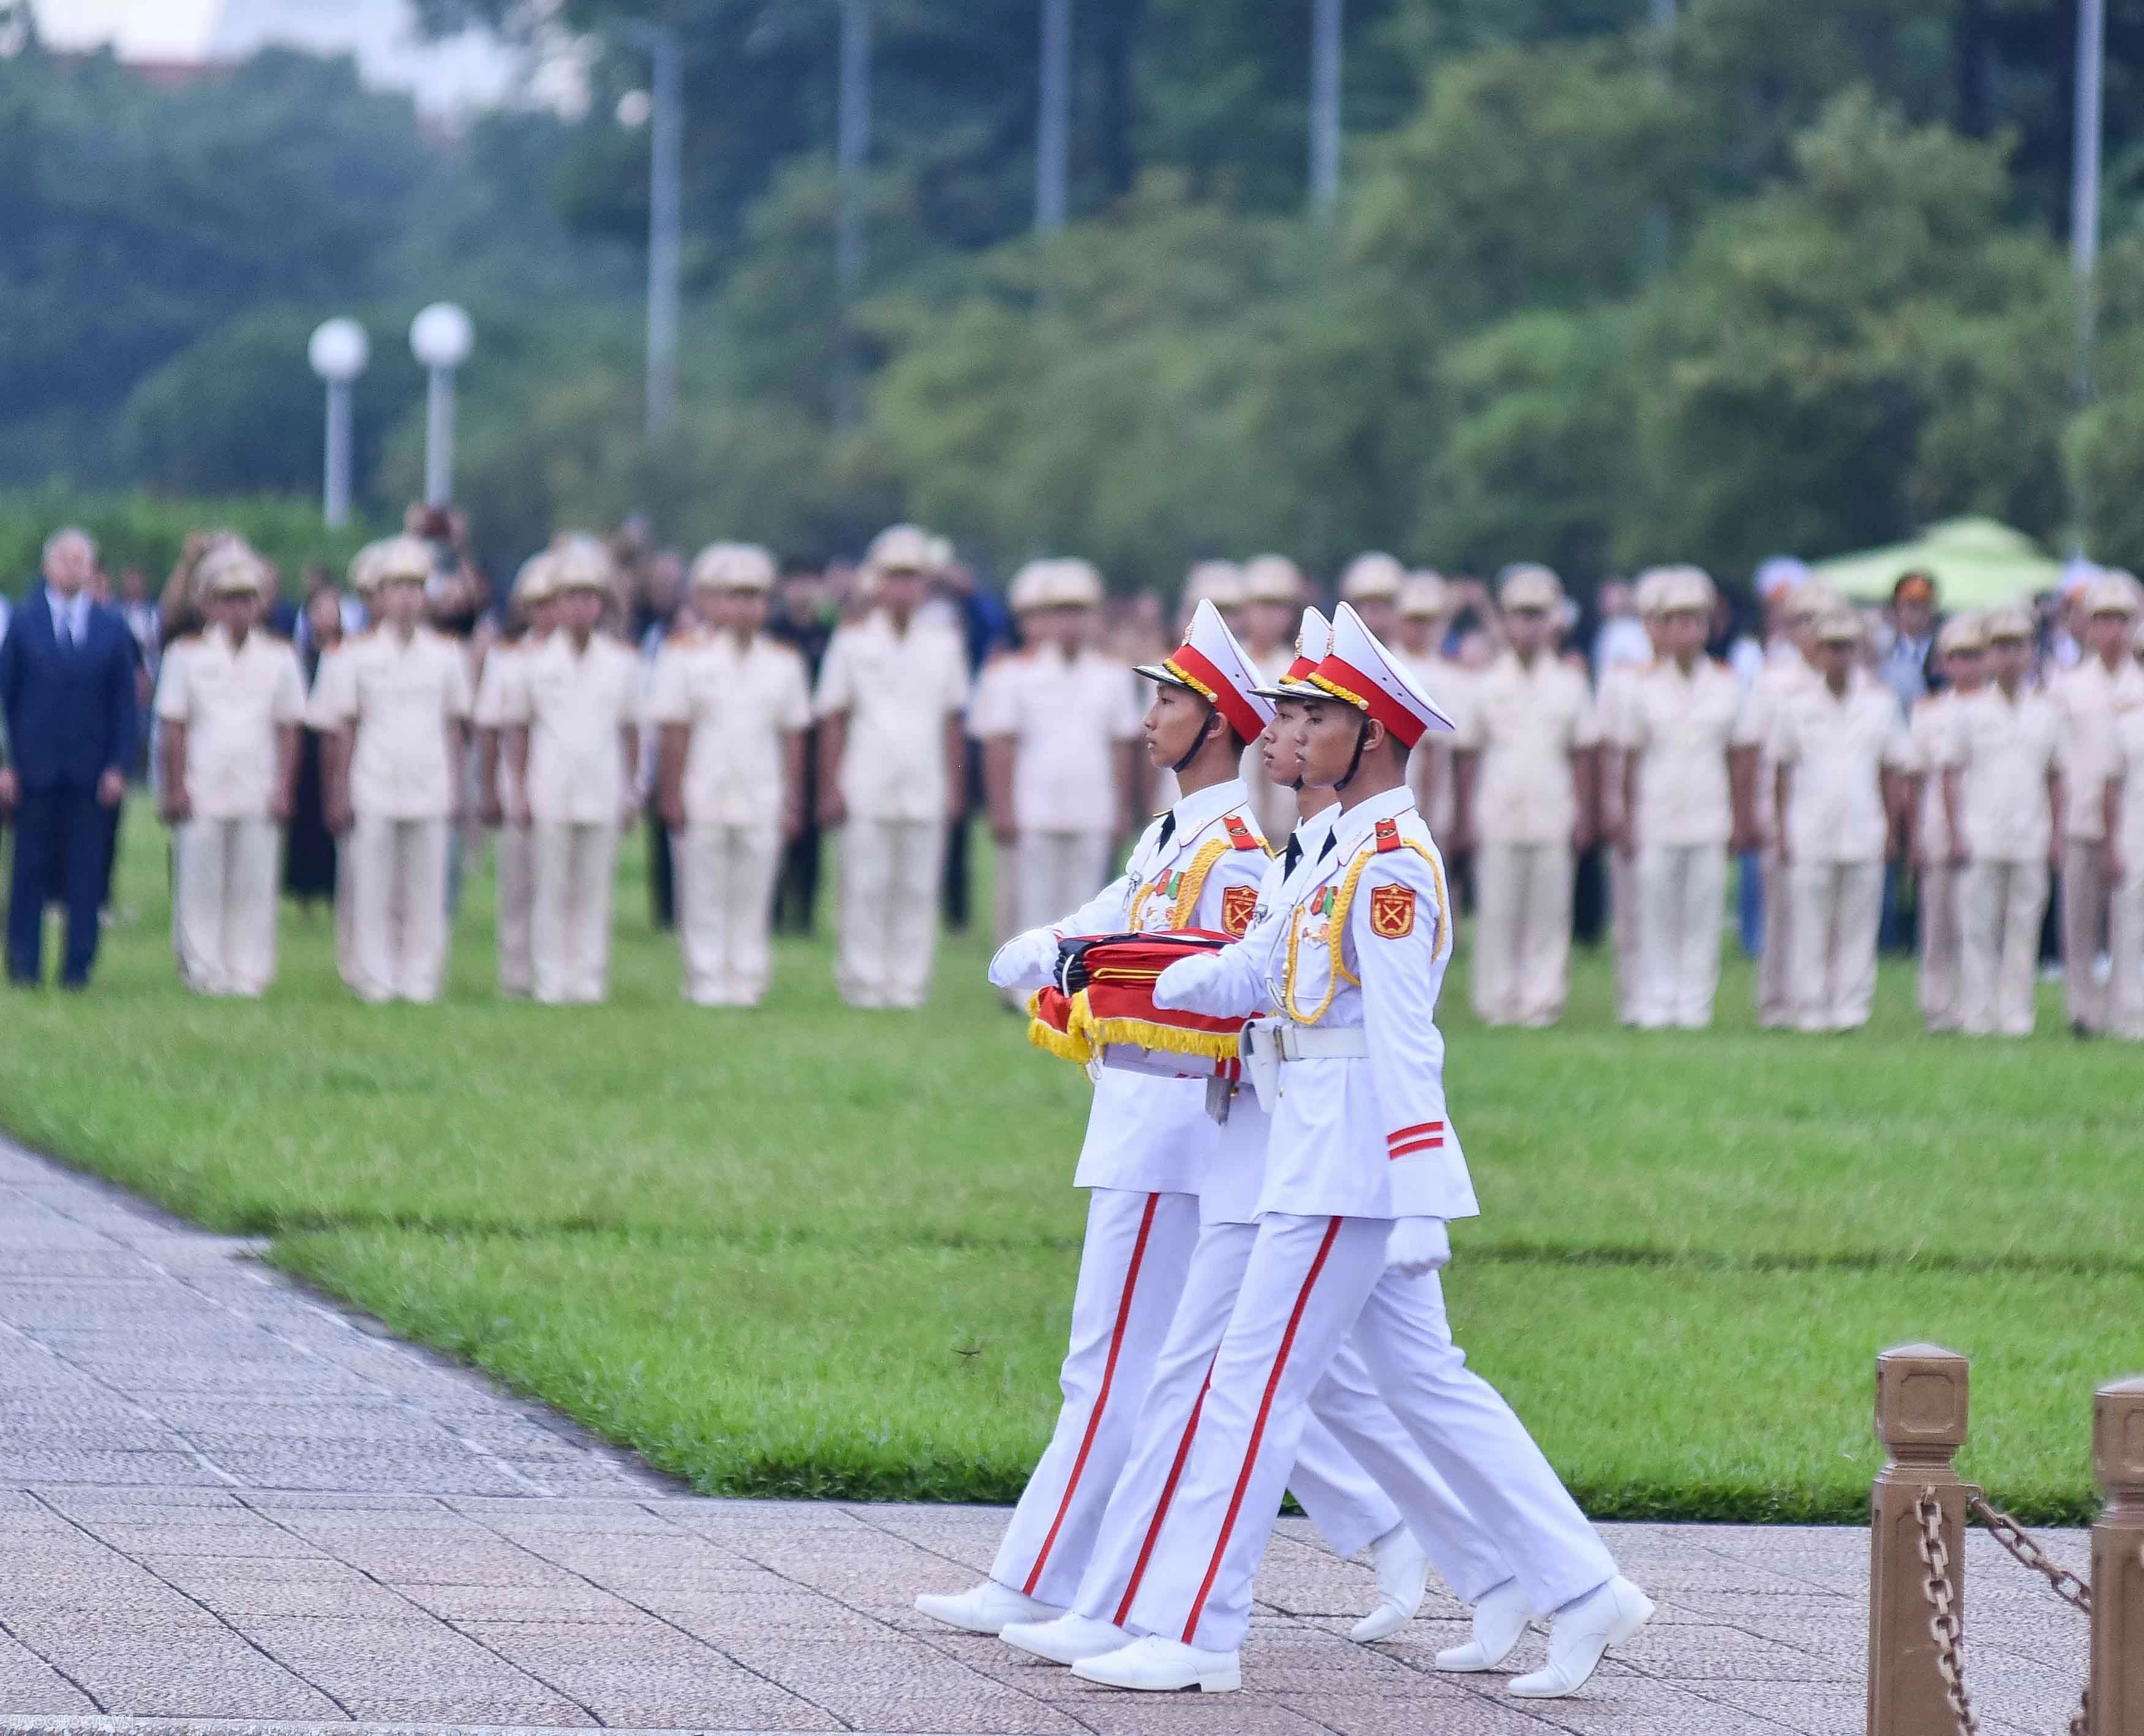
x: 1168, y: 829
x: 1290, y: 856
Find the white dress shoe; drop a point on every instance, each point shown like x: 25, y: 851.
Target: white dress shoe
x: 1161, y: 1666
x: 985, y: 1608
x: 1402, y: 1577
x: 1066, y: 1640
x: 1581, y: 1634
x: 1500, y: 1622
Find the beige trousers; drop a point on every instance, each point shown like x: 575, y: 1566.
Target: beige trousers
x: 1522, y: 932
x: 2086, y: 912
x: 1837, y: 906
x: 2126, y: 990
x: 1775, y: 969
x: 1937, y: 899
x: 400, y: 912
x: 1681, y: 888
x: 225, y: 906
x: 513, y: 864
x: 1058, y: 871
x: 1625, y: 912
x: 345, y: 912
x: 889, y: 911
x: 725, y: 901
x: 1999, y: 908
x: 569, y: 914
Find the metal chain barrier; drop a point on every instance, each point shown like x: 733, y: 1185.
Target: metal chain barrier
x: 2012, y: 1536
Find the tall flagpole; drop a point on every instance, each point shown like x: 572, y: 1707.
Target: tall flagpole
x: 851, y: 156
x: 1325, y: 41
x: 1053, y: 136
x: 2084, y: 207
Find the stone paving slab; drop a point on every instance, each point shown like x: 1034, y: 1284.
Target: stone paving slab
x: 228, y: 1507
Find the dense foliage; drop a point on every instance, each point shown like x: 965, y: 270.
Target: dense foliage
x: 1792, y: 278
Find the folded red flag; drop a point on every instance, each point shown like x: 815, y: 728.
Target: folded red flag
x: 1113, y: 1018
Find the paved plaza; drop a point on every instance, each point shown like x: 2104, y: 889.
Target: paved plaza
x: 224, y: 1501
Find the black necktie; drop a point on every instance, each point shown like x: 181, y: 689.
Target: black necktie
x: 1168, y: 829
x: 1291, y: 857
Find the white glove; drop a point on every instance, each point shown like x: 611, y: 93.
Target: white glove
x: 1025, y: 962
x: 1417, y: 1245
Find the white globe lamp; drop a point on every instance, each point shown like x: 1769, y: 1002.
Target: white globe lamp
x: 338, y: 351
x: 440, y: 338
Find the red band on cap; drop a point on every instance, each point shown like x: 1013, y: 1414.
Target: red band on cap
x: 1243, y: 717
x: 1380, y: 705
x: 1299, y: 670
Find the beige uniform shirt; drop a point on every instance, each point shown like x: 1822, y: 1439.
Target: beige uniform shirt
x: 1066, y: 718
x: 739, y: 707
x: 898, y: 690
x: 1681, y: 727
x: 1525, y: 724
x: 1838, y: 748
x: 399, y: 701
x: 1785, y: 674
x: 232, y: 700
x: 2129, y: 766
x: 574, y: 703
x: 2089, y: 700
x: 2002, y: 750
x: 1928, y: 738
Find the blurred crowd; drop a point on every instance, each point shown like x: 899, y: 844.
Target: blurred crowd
x: 1834, y: 776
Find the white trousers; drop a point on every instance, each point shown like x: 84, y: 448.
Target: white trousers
x: 2125, y: 992
x: 1679, y: 889
x: 515, y: 871
x: 1775, y: 957
x: 1058, y: 871
x: 1832, y: 933
x: 1625, y: 919
x: 725, y: 877
x: 1311, y: 1282
x: 2087, y: 913
x: 225, y: 905
x: 398, y: 915
x: 1132, y: 1266
x: 1522, y: 932
x: 1999, y: 908
x: 345, y: 912
x: 569, y: 914
x: 1350, y: 1509
x: 889, y: 926
x: 1936, y: 897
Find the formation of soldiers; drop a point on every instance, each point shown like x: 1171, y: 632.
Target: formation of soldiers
x: 2009, y: 779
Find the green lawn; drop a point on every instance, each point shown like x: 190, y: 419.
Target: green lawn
x: 808, y: 1250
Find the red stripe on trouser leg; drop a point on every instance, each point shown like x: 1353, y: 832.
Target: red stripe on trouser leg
x: 1101, y: 1396
x: 1168, y: 1495
x: 1258, y: 1429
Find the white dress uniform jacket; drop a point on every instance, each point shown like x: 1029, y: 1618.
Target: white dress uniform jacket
x: 574, y: 703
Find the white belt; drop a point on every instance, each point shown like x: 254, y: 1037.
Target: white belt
x: 1266, y: 1043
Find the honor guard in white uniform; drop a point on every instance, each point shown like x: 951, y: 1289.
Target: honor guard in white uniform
x: 398, y: 701
x: 1273, y: 596
x: 1687, y: 741
x: 533, y: 607
x: 232, y: 709
x: 1221, y: 583
x: 1523, y: 794
x: 1149, y: 1140
x: 732, y: 705
x: 1625, y: 908
x: 572, y: 718
x: 1363, y: 1171
x: 1789, y: 670
x: 892, y: 774
x: 1059, y: 723
x: 1963, y: 653
x: 2090, y: 699
x: 2002, y: 798
x: 1840, y: 749
x: 2125, y: 833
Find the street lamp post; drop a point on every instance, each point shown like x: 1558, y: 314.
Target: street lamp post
x: 1325, y: 37
x: 852, y: 158
x: 666, y: 135
x: 338, y: 351
x: 1053, y: 132
x: 440, y: 338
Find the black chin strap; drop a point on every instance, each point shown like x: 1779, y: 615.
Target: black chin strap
x: 1355, y: 760
x: 1197, y: 743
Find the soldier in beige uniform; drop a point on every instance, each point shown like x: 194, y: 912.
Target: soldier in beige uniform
x: 2124, y: 866
x: 1273, y: 590
x: 2003, y: 799
x: 1790, y: 670
x: 1839, y: 748
x: 364, y: 583
x: 1625, y: 909
x: 531, y: 608
x: 399, y: 702
x: 732, y: 704
x: 2089, y: 699
x: 892, y: 760
x: 572, y: 720
x: 1425, y: 607
x: 1964, y: 651
x: 1059, y: 723
x: 232, y: 709
x: 1688, y: 748
x: 1524, y: 799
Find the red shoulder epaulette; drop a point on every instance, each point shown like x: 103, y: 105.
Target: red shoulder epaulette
x: 1240, y: 834
x: 1388, y: 834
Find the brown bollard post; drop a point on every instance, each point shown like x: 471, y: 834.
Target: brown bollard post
x: 2117, y: 1560
x: 1920, y: 1419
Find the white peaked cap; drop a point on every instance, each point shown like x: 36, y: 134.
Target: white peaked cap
x: 1375, y: 576
x: 1223, y: 581
x: 1029, y: 588
x: 1313, y: 639
x: 1362, y: 672
x: 733, y: 567
x: 1211, y: 664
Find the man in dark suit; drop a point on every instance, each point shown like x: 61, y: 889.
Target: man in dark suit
x: 66, y: 692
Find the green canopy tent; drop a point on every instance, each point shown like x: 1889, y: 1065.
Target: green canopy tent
x: 1977, y: 563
